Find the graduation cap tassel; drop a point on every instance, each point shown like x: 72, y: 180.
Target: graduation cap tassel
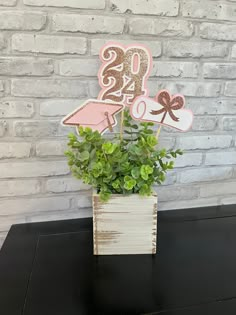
x: 108, y: 121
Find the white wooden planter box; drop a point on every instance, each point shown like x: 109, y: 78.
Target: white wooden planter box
x: 126, y: 224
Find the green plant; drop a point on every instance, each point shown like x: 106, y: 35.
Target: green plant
x: 132, y: 164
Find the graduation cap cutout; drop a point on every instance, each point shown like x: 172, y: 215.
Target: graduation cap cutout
x: 96, y: 114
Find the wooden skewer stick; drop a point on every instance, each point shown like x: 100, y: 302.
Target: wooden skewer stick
x: 121, y: 125
x: 109, y: 122
x: 158, y: 132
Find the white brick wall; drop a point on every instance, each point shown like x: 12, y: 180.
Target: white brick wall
x: 78, y: 4
x: 48, y: 44
x: 48, y: 66
x: 20, y: 20
x: 87, y: 24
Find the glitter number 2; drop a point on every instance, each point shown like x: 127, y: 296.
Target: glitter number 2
x: 124, y: 73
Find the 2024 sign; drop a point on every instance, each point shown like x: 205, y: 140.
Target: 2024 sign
x: 124, y: 73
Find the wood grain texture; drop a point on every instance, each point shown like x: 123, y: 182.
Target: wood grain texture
x: 126, y: 224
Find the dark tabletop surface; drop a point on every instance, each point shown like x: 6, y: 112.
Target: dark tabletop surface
x: 49, y: 269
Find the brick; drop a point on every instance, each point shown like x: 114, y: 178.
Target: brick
x: 49, y: 44
x: 234, y: 51
x: 204, y: 142
x: 219, y: 70
x: 153, y: 7
x: 62, y: 215
x: 168, y: 28
x: 166, y: 142
x: 229, y: 123
x: 175, y: 69
x: 2, y: 42
x: 204, y: 123
x: 79, y: 67
x: 217, y: 189
x: 2, y: 238
x: 2, y: 87
x: 33, y: 169
x: 22, y: 20
x: 6, y: 224
x: 230, y: 89
x: 51, y: 148
x: 170, y: 179
x: 11, y: 188
x: 40, y: 128
x: 154, y: 46
x: 79, y: 4
x: 14, y: 149
x: 205, y: 174
x: 220, y: 158
x: 3, y: 127
x: 52, y: 108
x: 16, y: 108
x: 13, y: 207
x: 213, y: 106
x: 49, y: 88
x: 186, y: 204
x: 84, y: 201
x: 88, y: 23
x: 176, y: 193
x: 229, y: 200
x: 197, y: 89
x: 203, y: 9
x: 186, y: 49
x: 188, y: 159
x: 218, y: 31
x: 94, y: 88
x: 8, y: 3
x: 26, y: 66
x: 60, y: 185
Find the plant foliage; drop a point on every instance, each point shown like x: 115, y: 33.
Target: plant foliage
x: 121, y: 166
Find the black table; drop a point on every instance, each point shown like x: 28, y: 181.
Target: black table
x: 49, y: 269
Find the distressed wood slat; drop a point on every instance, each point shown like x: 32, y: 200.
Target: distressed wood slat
x: 126, y: 224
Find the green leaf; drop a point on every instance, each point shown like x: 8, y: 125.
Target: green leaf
x: 145, y: 171
x: 97, y: 169
x: 162, y: 177
x: 129, y: 183
x: 83, y: 156
x: 81, y: 131
x: 88, y: 130
x: 163, y: 153
x: 116, y: 184
x: 135, y: 172
x: 151, y: 141
x: 145, y: 190
x: 109, y: 147
x: 125, y: 167
x: 147, y: 132
x: 72, y: 136
x: 104, y: 196
x: 134, y: 126
x: 128, y: 132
